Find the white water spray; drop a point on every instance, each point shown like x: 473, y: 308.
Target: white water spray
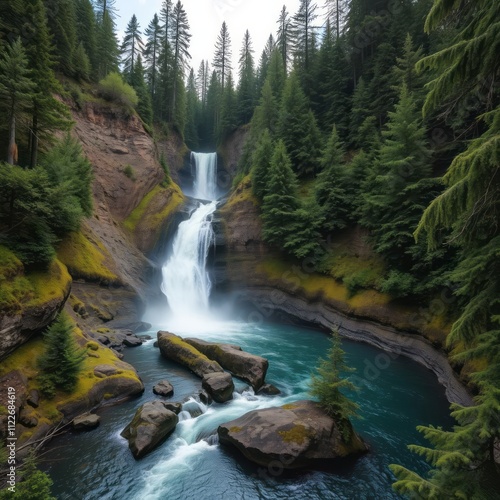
x: 186, y: 282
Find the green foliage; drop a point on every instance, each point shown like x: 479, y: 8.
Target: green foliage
x: 82, y: 63
x: 62, y: 360
x: 167, y: 180
x: 129, y: 172
x: 35, y: 484
x: 132, y: 47
x: 261, y: 162
x: 399, y: 284
x: 114, y: 89
x: 330, y: 189
x: 329, y: 384
x: 66, y: 166
x: 107, y: 45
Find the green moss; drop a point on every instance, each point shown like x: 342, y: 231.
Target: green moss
x: 85, y: 258
x: 235, y: 429
x: 14, y: 287
x: 145, y: 217
x: 297, y: 434
x: 242, y: 193
x: 289, y: 406
x: 103, y: 330
x: 49, y: 285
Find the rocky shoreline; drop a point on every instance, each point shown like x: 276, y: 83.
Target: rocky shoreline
x: 396, y: 343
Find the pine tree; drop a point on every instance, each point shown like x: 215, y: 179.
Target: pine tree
x: 132, y: 47
x: 86, y: 33
x: 330, y: 191
x: 359, y: 112
x: 336, y: 13
x: 180, y: 52
x: 304, y: 30
x: 328, y: 386
x: 246, y: 85
x: 212, y: 113
x: 261, y: 163
x: 281, y: 202
x: 152, y: 51
x: 284, y: 37
x: 222, y: 56
x: 16, y: 89
x: 203, y: 81
x: 192, y: 113
x: 405, y: 71
x: 298, y: 128
x: 138, y: 82
x: 48, y: 114
x: 266, y: 114
x: 105, y: 8
x: 165, y: 61
x: 227, y: 118
x: 61, y: 19
x: 276, y: 75
x: 83, y: 68
x: 62, y: 360
x: 107, y: 46
x: 399, y: 188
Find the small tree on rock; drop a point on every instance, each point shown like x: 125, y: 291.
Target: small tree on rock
x: 328, y: 386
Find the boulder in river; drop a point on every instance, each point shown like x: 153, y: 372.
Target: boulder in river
x: 241, y: 364
x: 268, y: 390
x: 296, y: 435
x: 219, y: 385
x: 164, y: 388
x: 152, y: 424
x: 174, y: 348
x: 86, y: 422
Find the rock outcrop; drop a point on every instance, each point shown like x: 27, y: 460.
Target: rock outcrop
x: 164, y: 388
x: 241, y: 364
x: 296, y: 435
x: 151, y: 425
x: 174, y: 348
x: 219, y: 385
x: 86, y: 422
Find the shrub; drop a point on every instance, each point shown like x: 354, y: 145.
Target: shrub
x: 399, y: 284
x: 114, y: 89
x: 129, y: 172
x: 164, y: 165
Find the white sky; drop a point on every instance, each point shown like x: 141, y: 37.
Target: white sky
x: 205, y: 20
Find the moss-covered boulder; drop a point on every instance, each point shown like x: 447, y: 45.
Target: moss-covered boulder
x: 219, y: 385
x: 176, y: 349
x: 151, y: 425
x: 241, y: 364
x: 295, y: 435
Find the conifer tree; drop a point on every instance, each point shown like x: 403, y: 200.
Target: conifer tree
x: 83, y: 68
x: 284, y: 37
x: 105, y: 8
x: 47, y: 113
x: 261, y: 163
x: 405, y: 71
x: 132, y: 47
x: 138, y: 82
x: 304, y: 30
x: 298, y: 128
x: 329, y: 384
x: 192, y: 113
x: 228, y: 117
x: 16, y: 89
x: 203, y: 81
x: 222, y: 56
x: 107, y: 46
x: 336, y: 13
x: 86, y: 33
x: 276, y: 75
x: 359, y: 112
x: 330, y: 191
x: 165, y: 61
x: 152, y: 51
x: 246, y: 85
x: 62, y: 360
x: 280, y: 202
x: 180, y: 51
x: 266, y: 114
x: 61, y: 20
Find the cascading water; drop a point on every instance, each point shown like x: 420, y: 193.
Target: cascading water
x: 186, y: 282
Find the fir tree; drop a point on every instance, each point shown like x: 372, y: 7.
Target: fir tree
x: 329, y: 383
x: 405, y: 71
x: 62, y: 360
x: 151, y: 54
x: 132, y: 46
x: 304, y: 30
x: 336, y: 13
x: 222, y: 57
x: 107, y: 46
x: 86, y: 32
x: 16, y: 89
x: 266, y: 114
x: 192, y: 113
x: 276, y: 75
x: 228, y: 117
x: 359, y: 112
x: 284, y: 37
x: 246, y: 85
x: 281, y: 202
x: 83, y: 68
x: 138, y: 82
x: 165, y: 61
x: 261, y: 163
x: 330, y: 191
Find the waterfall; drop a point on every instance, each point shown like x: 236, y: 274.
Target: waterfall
x: 185, y: 279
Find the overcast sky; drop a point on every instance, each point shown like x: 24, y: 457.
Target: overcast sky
x: 206, y: 17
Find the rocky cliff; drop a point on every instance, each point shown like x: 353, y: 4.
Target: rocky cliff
x: 271, y: 285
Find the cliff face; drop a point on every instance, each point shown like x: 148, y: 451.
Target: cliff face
x: 270, y: 285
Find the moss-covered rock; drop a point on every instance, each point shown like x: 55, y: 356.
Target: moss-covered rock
x: 241, y: 364
x: 174, y: 348
x: 295, y: 436
x: 152, y: 424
